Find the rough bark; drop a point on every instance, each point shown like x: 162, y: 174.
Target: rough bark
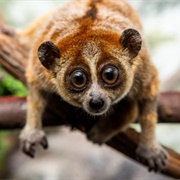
x: 13, y: 57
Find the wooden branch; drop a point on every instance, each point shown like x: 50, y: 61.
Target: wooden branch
x: 12, y: 110
x: 13, y: 114
x: 169, y: 104
x: 125, y: 142
x: 13, y: 56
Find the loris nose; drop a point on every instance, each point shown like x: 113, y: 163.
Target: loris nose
x: 96, y: 104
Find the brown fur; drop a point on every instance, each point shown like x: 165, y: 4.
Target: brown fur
x: 87, y: 34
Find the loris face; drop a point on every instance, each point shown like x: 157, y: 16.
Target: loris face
x: 93, y: 84
x: 95, y: 74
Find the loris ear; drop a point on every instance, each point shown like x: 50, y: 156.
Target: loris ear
x: 131, y: 41
x: 47, y: 53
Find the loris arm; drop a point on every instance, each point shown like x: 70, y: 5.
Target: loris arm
x: 32, y: 134
x: 149, y: 151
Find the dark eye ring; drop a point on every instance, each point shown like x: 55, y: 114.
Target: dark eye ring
x: 78, y: 79
x: 110, y: 74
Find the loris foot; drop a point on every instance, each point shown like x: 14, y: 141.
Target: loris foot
x: 155, y: 157
x: 98, y: 136
x: 31, y: 138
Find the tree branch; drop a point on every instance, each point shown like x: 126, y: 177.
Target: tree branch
x: 13, y: 57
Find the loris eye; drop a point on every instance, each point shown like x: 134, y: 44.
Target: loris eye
x: 110, y: 74
x: 78, y: 79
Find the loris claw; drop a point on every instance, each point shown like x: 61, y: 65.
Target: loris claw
x: 155, y: 157
x: 31, y: 138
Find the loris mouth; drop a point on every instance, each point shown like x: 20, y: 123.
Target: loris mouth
x: 97, y: 112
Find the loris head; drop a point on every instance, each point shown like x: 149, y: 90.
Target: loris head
x: 93, y: 72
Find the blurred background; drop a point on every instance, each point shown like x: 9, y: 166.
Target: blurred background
x: 70, y: 155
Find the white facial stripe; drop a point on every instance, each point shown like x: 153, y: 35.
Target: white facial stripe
x: 91, y: 53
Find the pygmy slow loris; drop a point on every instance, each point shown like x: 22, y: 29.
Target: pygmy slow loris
x: 92, y: 53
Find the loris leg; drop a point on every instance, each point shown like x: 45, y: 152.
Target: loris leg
x: 108, y: 126
x: 149, y: 151
x: 32, y: 134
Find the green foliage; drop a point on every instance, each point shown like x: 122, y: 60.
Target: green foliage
x: 10, y: 86
x: 3, y: 147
